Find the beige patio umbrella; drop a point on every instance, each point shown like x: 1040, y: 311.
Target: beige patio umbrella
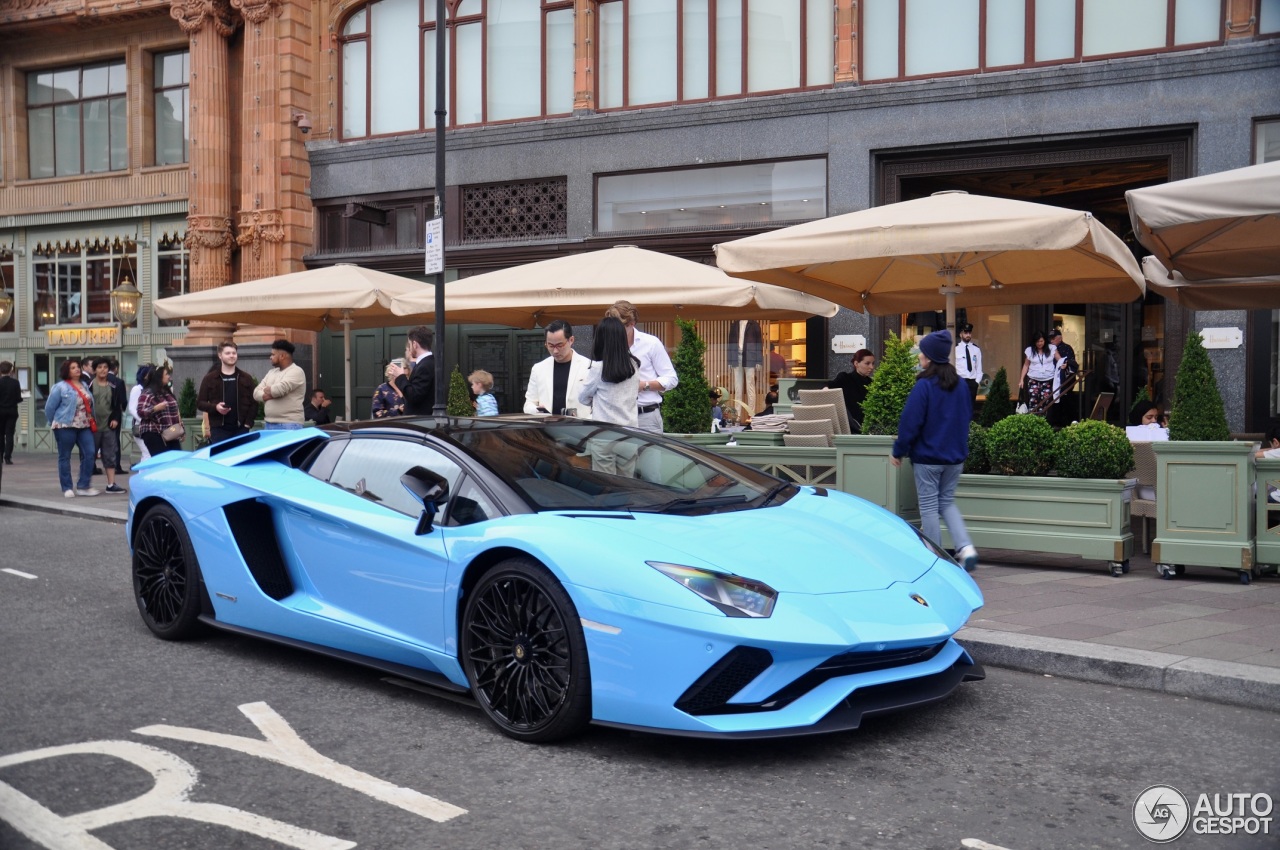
x: 341, y: 296
x: 972, y: 249
x: 580, y: 287
x: 1232, y: 293
x: 1219, y: 225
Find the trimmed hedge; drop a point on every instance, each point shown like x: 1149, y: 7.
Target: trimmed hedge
x: 1021, y: 445
x: 1093, y: 449
x: 979, y: 461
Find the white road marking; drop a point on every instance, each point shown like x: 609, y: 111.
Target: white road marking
x: 284, y: 746
x: 18, y: 573
x: 174, y: 779
x: 979, y: 844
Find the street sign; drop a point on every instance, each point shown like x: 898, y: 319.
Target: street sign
x: 435, y: 246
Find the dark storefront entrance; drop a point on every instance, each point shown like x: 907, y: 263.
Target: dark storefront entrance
x: 1121, y: 346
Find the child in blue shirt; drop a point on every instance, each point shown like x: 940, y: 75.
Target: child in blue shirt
x: 481, y: 384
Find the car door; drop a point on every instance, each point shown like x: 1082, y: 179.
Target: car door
x: 355, y: 543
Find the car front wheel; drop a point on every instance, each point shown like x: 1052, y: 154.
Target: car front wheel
x: 524, y: 653
x: 166, y: 576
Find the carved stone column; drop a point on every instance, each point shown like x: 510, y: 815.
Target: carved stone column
x: 209, y: 239
x: 260, y: 228
x: 584, y: 73
x: 847, y: 70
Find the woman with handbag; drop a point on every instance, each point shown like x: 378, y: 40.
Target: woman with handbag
x: 159, y: 421
x: 69, y: 411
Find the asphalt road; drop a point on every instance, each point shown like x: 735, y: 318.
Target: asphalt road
x: 1019, y: 761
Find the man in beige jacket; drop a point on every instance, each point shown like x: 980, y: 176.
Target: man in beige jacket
x: 282, y: 389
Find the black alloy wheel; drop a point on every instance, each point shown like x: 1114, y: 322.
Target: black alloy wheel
x: 524, y: 653
x: 166, y: 577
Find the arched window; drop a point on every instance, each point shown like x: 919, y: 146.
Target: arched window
x: 507, y: 60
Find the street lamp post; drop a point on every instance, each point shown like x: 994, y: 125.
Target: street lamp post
x: 441, y: 112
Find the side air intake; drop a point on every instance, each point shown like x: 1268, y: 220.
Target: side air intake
x: 254, y: 529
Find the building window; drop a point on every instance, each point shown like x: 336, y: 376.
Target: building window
x: 76, y: 120
x: 1266, y: 141
x: 663, y: 51
x: 958, y: 36
x: 508, y: 60
x: 173, y: 271
x: 7, y: 278
x: 172, y: 101
x: 73, y: 280
x: 709, y: 198
x: 1268, y: 17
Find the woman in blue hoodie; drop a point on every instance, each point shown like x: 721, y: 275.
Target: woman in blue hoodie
x: 934, y: 433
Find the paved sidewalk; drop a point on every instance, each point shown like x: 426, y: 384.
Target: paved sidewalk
x: 1203, y: 635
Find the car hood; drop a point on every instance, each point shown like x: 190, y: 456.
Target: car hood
x: 810, y: 544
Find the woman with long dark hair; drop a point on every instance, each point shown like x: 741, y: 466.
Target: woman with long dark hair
x: 934, y: 433
x: 1040, y: 363
x: 157, y: 410
x: 69, y: 412
x: 611, y: 387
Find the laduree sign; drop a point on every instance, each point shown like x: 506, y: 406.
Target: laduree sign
x: 83, y: 336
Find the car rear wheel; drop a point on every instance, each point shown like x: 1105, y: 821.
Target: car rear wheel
x: 166, y: 576
x: 524, y: 653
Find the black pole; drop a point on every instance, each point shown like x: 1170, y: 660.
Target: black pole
x: 437, y: 356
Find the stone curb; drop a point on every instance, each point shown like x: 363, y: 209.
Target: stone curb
x: 1248, y: 685
x: 69, y: 508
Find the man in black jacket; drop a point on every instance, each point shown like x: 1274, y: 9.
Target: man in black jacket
x: 419, y: 386
x: 226, y: 394
x: 10, y: 396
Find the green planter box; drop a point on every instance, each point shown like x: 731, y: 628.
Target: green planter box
x: 813, y: 465
x: 1085, y: 517
x: 1204, y: 506
x: 1267, y: 519
x: 865, y: 470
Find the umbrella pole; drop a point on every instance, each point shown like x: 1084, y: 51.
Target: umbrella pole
x: 950, y: 290
x: 346, y: 360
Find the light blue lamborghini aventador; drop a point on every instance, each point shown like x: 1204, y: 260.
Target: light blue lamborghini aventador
x: 558, y: 571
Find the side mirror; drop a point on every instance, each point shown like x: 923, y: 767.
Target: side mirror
x: 427, y: 487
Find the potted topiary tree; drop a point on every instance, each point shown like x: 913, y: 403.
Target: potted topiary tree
x: 459, y: 401
x: 1204, y: 480
x: 686, y: 410
x: 998, y: 404
x: 862, y: 460
x: 192, y: 420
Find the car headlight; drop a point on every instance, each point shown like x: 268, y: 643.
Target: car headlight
x: 734, y: 595
x: 937, y: 550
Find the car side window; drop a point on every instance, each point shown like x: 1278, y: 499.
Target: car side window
x: 371, y: 469
x: 321, y: 466
x: 471, y: 505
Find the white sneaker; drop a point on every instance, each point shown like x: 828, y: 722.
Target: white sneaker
x: 70, y: 494
x: 968, y: 558
x: 89, y: 491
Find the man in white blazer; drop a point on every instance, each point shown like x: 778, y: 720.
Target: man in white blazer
x: 555, y: 383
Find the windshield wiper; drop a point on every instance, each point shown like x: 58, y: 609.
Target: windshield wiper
x: 689, y: 503
x: 777, y: 490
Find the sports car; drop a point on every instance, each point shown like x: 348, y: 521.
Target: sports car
x: 556, y: 571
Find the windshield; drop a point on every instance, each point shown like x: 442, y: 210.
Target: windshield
x: 591, y: 466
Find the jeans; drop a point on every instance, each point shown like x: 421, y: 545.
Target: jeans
x: 83, y: 439
x: 936, y: 492
x: 281, y: 426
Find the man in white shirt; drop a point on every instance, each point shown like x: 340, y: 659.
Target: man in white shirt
x: 281, y: 389
x: 556, y: 382
x: 969, y: 361
x: 655, y: 373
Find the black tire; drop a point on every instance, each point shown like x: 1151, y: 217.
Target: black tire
x: 524, y: 653
x: 166, y: 575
